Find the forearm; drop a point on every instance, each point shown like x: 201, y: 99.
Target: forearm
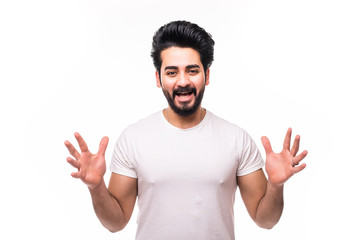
x: 270, y: 206
x: 107, y: 209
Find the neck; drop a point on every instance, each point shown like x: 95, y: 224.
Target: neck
x: 182, y: 121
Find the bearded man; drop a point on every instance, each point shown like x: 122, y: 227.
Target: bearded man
x: 183, y: 164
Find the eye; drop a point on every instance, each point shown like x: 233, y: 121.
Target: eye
x: 193, y: 71
x: 171, y: 73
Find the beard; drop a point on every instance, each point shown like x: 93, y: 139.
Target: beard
x: 185, y: 109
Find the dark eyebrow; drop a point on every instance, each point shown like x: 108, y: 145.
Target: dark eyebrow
x: 192, y: 66
x: 171, y: 67
x: 187, y: 67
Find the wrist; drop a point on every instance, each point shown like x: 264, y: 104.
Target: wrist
x: 275, y: 186
x: 97, y: 187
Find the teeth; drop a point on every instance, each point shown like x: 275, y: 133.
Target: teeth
x: 184, y: 93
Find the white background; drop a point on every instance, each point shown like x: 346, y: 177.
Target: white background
x: 85, y: 66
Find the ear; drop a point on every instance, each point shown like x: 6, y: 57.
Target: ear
x: 207, y: 77
x: 158, y: 81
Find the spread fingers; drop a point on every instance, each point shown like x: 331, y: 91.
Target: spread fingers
x: 72, y: 150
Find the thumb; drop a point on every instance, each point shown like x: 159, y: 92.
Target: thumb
x: 103, y: 145
x: 267, y: 146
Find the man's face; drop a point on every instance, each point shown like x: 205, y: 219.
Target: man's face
x: 182, y: 79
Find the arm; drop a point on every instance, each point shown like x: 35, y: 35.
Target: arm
x: 264, y: 198
x: 112, y: 206
x: 263, y: 201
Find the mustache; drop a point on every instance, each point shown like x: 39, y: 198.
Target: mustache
x: 186, y: 89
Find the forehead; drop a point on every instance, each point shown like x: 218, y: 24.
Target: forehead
x: 179, y: 57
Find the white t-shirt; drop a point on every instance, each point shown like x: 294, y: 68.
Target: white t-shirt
x: 186, y: 177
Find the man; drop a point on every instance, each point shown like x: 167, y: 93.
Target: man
x: 184, y: 163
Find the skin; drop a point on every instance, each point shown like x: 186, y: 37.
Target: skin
x: 182, y: 67
x: 114, y: 205
x: 263, y: 197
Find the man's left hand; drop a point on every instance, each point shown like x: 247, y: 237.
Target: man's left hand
x: 281, y: 166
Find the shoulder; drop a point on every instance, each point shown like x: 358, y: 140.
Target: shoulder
x: 228, y: 130
x: 224, y: 125
x: 145, y: 123
x: 146, y: 126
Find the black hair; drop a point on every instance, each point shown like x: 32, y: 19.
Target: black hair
x: 183, y: 34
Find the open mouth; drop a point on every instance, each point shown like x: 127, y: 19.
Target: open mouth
x: 184, y: 93
x: 184, y: 96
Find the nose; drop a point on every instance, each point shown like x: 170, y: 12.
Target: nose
x: 183, y: 80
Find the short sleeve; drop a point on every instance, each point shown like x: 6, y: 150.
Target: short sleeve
x: 250, y: 158
x: 122, y: 159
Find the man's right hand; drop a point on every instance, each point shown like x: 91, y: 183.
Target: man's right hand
x: 91, y: 167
